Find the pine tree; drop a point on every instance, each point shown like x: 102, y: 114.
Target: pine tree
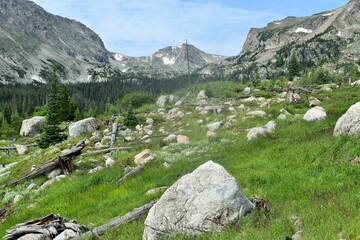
x: 52, y: 132
x: 67, y: 107
x: 130, y: 119
x: 294, y: 68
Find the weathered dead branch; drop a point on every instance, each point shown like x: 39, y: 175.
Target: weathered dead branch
x: 135, y: 171
x: 133, y: 215
x: 65, y: 161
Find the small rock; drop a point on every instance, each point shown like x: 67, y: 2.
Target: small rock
x: 282, y: 116
x: 201, y: 121
x: 313, y: 102
x: 270, y: 126
x: 172, y: 138
x: 214, y: 126
x: 32, y: 186
x: 54, y: 173
x: 231, y: 109
x: 98, y: 145
x: 94, y: 170
x: 254, y: 132
x: 144, y: 157
x: 261, y: 114
x: 149, y: 121
x: 66, y: 235
x: 315, y: 114
x: 247, y: 91
x: 156, y: 190
x: 181, y: 139
x: 166, y: 165
x: 109, y: 161
x: 210, y: 134
x: 21, y: 149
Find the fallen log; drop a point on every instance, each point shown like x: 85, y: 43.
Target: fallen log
x: 50, y: 226
x: 14, y: 148
x: 65, y: 161
x: 135, y: 171
x: 133, y: 215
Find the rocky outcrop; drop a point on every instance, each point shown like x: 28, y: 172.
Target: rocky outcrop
x: 206, y: 200
x: 315, y: 114
x: 84, y: 126
x: 329, y: 36
x: 32, y: 126
x: 34, y: 40
x: 349, y: 123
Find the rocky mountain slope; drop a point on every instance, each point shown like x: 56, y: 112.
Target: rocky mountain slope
x: 331, y: 36
x: 32, y: 40
x: 167, y: 61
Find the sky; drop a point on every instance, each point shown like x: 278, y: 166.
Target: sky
x: 142, y: 27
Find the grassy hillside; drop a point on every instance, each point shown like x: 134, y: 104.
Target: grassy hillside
x: 300, y: 168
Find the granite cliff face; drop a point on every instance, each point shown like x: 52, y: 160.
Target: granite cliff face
x: 331, y: 36
x: 32, y: 40
x: 167, y: 61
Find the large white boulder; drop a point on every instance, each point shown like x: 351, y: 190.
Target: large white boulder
x: 315, y: 114
x: 84, y: 126
x: 206, y: 200
x: 349, y: 123
x: 32, y: 126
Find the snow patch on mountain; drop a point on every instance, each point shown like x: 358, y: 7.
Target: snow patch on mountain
x: 169, y: 61
x: 303, y: 30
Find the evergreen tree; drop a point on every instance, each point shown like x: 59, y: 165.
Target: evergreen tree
x: 67, y: 107
x: 130, y: 119
x: 52, y: 132
x: 294, y: 68
x: 7, y: 113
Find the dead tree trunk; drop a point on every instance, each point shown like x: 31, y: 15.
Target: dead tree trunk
x: 136, y: 213
x: 132, y: 172
x: 113, y: 134
x: 65, y: 161
x: 14, y: 148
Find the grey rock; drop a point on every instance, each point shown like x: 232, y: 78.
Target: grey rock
x: 33, y: 236
x: 181, y: 139
x: 166, y: 100
x: 261, y: 114
x: 349, y: 123
x: 202, y: 96
x: 256, y: 131
x: 315, y: 114
x: 84, y: 126
x: 22, y: 149
x: 313, y: 101
x: 270, y: 126
x: 32, y: 126
x: 54, y: 173
x: 247, y: 91
x: 214, y: 126
x: 156, y: 190
x: 66, y: 235
x: 144, y: 157
x: 206, y: 200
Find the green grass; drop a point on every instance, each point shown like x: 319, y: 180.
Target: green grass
x: 300, y: 168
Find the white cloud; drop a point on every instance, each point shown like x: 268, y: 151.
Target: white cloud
x: 141, y: 27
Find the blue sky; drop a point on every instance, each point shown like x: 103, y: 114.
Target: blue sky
x: 141, y: 27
